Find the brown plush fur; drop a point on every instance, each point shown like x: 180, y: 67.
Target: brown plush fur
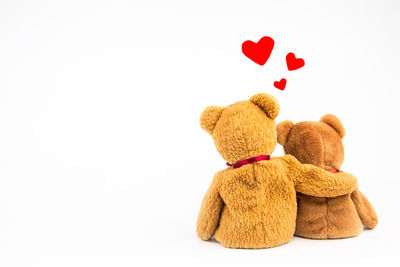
x: 320, y: 144
x: 254, y: 206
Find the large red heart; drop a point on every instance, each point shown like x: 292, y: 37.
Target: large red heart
x: 294, y: 63
x: 281, y: 84
x: 258, y: 52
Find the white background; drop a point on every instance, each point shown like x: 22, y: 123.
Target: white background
x: 102, y: 159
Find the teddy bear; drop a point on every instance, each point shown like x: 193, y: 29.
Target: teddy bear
x: 320, y: 144
x: 252, y: 202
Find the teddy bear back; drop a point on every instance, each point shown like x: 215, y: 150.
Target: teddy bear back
x: 244, y: 129
x: 314, y: 142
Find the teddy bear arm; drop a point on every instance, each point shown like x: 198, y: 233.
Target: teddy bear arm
x: 208, y: 219
x: 365, y: 210
x: 317, y: 182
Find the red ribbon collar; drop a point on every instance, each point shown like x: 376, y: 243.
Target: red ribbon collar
x: 263, y: 157
x: 332, y: 170
x: 248, y: 161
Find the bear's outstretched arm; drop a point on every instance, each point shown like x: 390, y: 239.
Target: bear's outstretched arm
x: 314, y: 181
x: 317, y: 182
x: 365, y: 210
x: 210, y: 210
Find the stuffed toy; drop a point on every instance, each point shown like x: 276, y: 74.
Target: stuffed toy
x: 320, y: 144
x: 252, y: 203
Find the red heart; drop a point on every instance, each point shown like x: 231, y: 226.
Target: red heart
x: 258, y: 52
x: 294, y: 63
x: 281, y: 84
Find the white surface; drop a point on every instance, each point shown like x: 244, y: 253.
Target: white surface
x: 102, y: 160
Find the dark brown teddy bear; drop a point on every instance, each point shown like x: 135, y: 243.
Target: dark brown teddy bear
x: 320, y: 144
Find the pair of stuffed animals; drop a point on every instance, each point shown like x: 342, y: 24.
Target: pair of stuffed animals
x: 261, y: 202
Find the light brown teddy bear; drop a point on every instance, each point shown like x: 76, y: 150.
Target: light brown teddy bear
x: 252, y: 203
x: 320, y: 144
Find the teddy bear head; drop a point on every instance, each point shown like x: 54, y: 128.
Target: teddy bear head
x: 244, y: 129
x: 316, y: 143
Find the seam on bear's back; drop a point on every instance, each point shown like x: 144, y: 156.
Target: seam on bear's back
x: 323, y: 145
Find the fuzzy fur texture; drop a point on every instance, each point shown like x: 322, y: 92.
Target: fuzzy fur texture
x: 320, y: 144
x: 254, y: 206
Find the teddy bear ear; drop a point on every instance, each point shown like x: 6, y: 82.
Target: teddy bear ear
x: 335, y: 123
x: 283, y: 129
x: 209, y: 118
x: 268, y: 103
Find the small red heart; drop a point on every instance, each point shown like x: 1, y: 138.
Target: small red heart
x: 281, y: 84
x: 294, y: 63
x: 258, y: 52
